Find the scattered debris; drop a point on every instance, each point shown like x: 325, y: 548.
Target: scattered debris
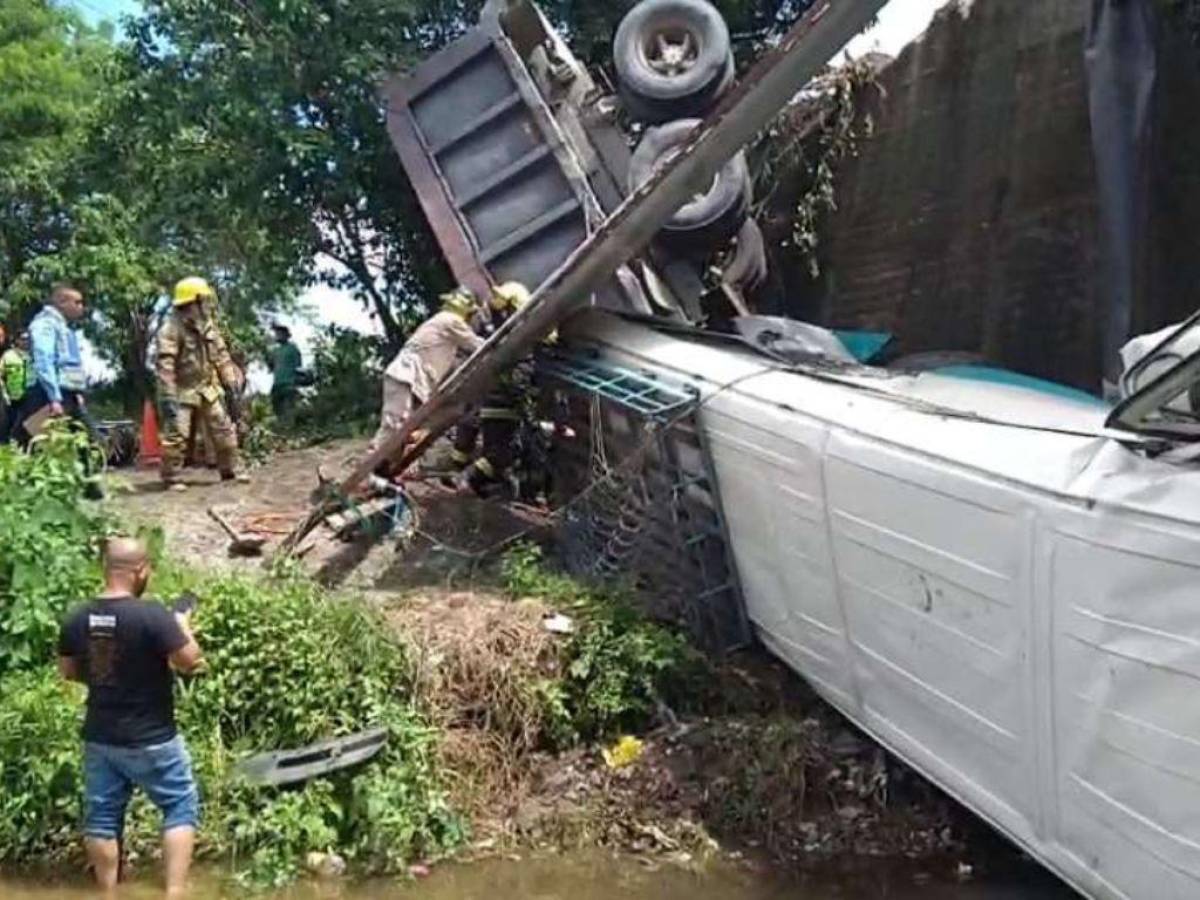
x: 557, y: 623
x: 325, y: 865
x: 278, y: 767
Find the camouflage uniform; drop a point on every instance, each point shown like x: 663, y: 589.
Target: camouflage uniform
x: 194, y: 369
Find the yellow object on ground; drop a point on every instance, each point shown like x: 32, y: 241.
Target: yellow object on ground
x: 624, y: 752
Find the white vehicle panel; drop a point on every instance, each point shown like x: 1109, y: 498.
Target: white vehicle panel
x: 933, y: 571
x: 1013, y: 610
x: 785, y: 562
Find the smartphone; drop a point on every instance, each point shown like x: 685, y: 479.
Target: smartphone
x: 185, y: 603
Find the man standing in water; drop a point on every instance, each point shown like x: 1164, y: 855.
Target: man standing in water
x: 124, y: 649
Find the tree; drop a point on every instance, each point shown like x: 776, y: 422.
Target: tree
x: 50, y: 82
x: 123, y: 272
x: 274, y: 156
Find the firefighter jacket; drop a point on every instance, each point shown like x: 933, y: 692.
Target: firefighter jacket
x: 193, y: 363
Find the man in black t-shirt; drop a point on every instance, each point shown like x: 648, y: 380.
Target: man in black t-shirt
x: 124, y: 649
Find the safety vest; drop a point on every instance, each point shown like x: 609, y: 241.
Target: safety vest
x: 14, y: 368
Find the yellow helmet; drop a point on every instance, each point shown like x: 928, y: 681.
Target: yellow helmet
x: 460, y: 301
x: 511, y: 296
x: 189, y: 290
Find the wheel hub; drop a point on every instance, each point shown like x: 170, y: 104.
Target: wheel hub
x: 671, y: 52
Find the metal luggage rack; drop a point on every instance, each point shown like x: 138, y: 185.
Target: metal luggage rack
x: 647, y: 513
x: 640, y: 392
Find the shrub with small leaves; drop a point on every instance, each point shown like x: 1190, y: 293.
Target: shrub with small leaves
x: 41, y: 783
x: 49, y: 542
x: 288, y: 665
x: 618, y: 666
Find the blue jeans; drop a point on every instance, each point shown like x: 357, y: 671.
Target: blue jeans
x: 163, y: 771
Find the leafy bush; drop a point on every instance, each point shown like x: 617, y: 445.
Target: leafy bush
x: 347, y: 369
x: 288, y: 666
x: 260, y: 437
x: 41, y: 785
x: 49, y: 540
x: 618, y: 666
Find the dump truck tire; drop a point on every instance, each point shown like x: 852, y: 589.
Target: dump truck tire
x: 710, y: 219
x: 747, y: 269
x: 673, y: 59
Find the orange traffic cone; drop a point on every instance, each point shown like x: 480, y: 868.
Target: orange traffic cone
x: 150, y: 452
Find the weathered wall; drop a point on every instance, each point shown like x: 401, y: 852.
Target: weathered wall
x: 1174, y: 277
x: 969, y: 221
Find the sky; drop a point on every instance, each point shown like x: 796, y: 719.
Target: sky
x: 95, y: 10
x: 900, y: 22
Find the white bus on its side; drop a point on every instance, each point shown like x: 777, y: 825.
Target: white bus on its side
x: 1001, y: 585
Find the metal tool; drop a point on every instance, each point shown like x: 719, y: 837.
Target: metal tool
x: 240, y: 544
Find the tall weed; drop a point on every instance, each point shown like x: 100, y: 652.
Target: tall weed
x: 619, y: 667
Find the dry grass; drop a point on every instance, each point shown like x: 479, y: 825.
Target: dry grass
x: 771, y: 768
x: 481, y: 660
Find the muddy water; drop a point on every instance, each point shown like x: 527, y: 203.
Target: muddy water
x: 595, y: 878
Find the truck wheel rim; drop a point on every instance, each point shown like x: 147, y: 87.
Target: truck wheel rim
x: 670, y: 50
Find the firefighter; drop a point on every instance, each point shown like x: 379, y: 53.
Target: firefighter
x: 425, y: 359
x: 499, y: 418
x: 194, y: 371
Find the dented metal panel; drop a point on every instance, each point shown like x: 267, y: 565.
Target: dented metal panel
x: 494, y: 176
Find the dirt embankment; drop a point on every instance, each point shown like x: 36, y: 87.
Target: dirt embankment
x: 758, y: 765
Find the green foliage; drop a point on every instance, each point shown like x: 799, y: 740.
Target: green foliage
x: 802, y: 149
x: 262, y: 436
x: 48, y: 545
x: 525, y: 573
x: 348, y: 371
x: 41, y: 786
x: 287, y: 666
x: 50, y: 84
x: 618, y: 667
x: 274, y: 158
x: 123, y: 271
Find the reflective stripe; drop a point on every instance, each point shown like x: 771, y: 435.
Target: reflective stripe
x: 499, y: 412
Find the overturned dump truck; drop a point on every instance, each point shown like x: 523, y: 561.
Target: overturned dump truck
x: 994, y: 577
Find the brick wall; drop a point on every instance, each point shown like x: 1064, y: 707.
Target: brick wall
x: 969, y: 221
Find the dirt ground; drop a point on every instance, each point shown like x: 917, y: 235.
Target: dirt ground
x: 767, y: 770
x: 451, y: 528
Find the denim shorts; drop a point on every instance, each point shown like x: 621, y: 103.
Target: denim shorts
x: 163, y: 771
